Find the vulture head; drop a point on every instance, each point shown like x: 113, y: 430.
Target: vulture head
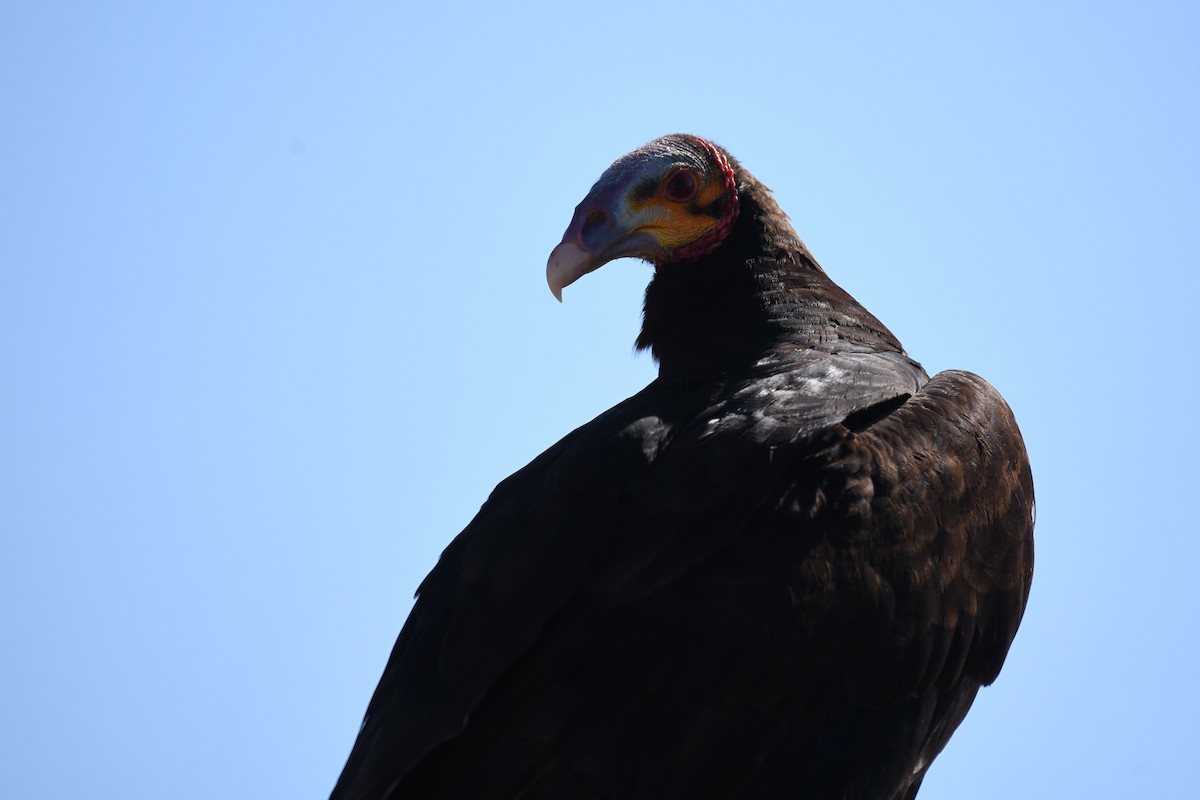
x: 672, y: 200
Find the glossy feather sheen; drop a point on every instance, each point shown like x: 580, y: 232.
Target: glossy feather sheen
x: 782, y: 569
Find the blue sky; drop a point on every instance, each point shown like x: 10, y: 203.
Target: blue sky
x: 273, y: 322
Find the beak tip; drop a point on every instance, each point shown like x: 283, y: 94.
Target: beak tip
x: 567, y: 264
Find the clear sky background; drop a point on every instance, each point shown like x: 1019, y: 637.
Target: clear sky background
x: 273, y: 322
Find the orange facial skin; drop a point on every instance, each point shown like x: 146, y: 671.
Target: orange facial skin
x: 674, y: 199
x: 674, y: 223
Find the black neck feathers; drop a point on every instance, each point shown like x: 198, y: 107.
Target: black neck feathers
x: 759, y: 293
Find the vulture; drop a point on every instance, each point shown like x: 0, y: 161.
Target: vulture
x: 783, y: 569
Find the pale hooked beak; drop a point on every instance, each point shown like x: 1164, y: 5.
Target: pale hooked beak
x: 595, y: 237
x: 568, y: 263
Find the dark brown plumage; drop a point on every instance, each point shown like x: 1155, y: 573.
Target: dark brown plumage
x: 781, y: 570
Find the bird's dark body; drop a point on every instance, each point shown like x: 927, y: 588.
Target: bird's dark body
x: 781, y: 570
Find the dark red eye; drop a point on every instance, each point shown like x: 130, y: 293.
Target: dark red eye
x: 680, y: 185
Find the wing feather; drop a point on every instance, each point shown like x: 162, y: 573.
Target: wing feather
x: 653, y: 605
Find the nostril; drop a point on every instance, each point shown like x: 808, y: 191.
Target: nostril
x: 594, y: 220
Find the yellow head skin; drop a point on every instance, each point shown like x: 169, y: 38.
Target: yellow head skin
x: 671, y: 200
